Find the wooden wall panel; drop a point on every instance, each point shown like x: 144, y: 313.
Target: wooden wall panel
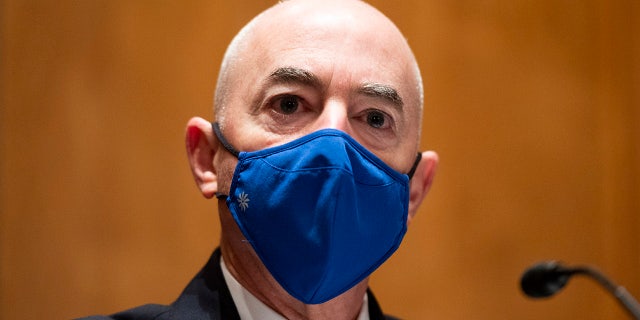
x: 532, y: 105
x: 533, y: 112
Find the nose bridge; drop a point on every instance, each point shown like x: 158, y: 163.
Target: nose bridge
x: 334, y: 115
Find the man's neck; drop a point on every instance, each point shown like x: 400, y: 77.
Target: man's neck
x: 251, y: 308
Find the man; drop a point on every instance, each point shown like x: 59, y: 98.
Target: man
x: 314, y: 160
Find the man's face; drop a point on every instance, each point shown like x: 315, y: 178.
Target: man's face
x: 351, y: 72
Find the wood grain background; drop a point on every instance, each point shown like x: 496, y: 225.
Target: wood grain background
x: 533, y: 106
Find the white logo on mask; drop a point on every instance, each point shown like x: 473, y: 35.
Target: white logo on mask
x: 243, y: 201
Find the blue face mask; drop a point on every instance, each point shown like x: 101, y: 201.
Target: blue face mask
x: 321, y: 212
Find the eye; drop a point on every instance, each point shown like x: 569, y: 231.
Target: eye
x: 288, y: 112
x: 288, y: 104
x: 376, y: 119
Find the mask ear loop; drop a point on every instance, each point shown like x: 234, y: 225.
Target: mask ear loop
x: 221, y: 195
x: 415, y: 166
x: 223, y: 140
x: 226, y: 145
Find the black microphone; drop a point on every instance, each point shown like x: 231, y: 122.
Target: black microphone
x: 546, y: 278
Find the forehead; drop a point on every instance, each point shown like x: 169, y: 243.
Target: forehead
x: 355, y: 45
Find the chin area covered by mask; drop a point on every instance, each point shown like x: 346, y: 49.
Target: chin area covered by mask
x: 322, y: 212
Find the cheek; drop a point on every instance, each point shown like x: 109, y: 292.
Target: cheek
x: 403, y: 157
x: 225, y: 169
x: 252, y: 134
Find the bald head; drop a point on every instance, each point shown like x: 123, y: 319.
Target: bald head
x: 292, y: 21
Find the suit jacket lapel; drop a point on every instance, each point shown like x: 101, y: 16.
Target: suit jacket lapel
x: 207, y: 296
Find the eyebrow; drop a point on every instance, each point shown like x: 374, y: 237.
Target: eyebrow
x: 295, y: 75
x: 286, y: 75
x: 382, y: 91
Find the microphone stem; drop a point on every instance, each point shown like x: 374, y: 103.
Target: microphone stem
x: 627, y: 300
x: 624, y: 297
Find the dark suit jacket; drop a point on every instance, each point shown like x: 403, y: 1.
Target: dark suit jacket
x: 207, y: 297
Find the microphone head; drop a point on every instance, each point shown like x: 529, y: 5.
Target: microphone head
x: 544, y: 279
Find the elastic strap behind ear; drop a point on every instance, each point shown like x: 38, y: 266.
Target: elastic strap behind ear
x: 223, y: 140
x: 415, y: 166
x: 220, y: 195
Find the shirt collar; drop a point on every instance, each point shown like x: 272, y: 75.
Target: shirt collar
x: 251, y: 308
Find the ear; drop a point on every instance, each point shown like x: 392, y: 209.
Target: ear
x: 421, y: 182
x: 201, y: 149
